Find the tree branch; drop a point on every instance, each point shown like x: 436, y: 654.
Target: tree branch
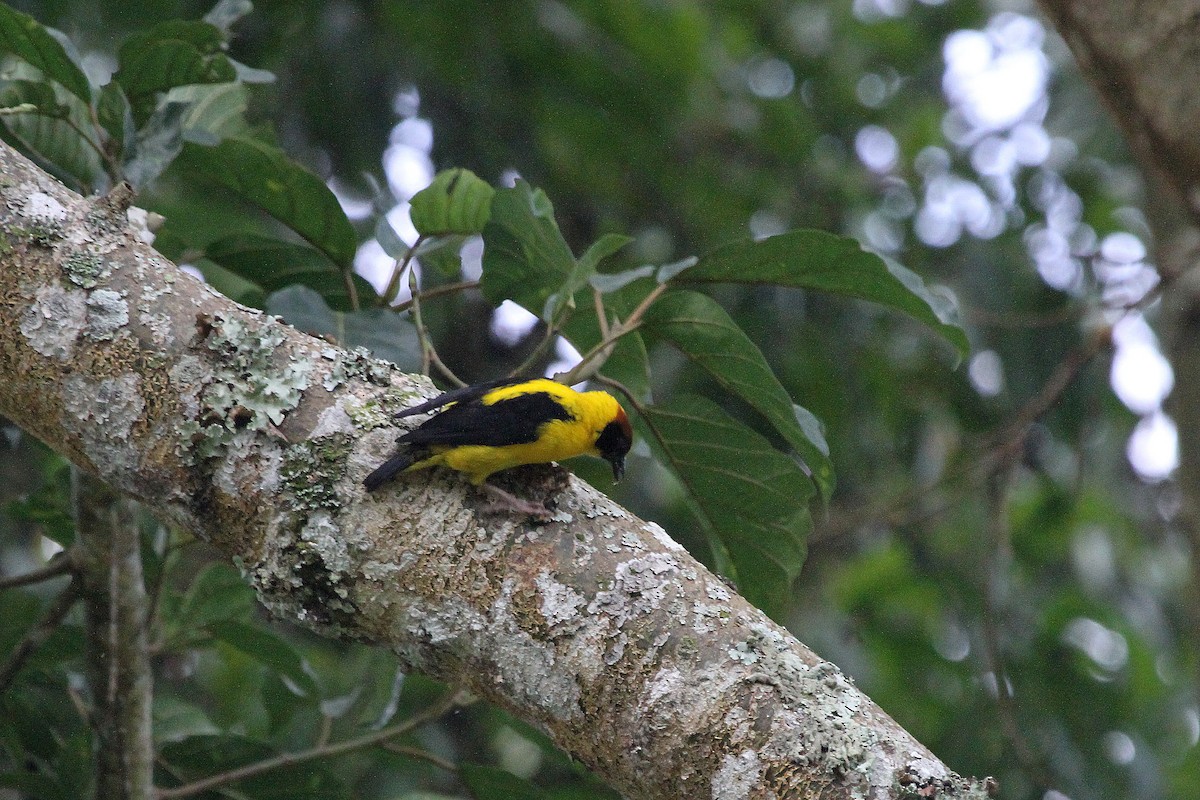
x: 59, y: 565
x: 110, y: 573
x: 596, y: 627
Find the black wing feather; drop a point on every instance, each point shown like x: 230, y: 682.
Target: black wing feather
x: 512, y: 421
x: 464, y: 395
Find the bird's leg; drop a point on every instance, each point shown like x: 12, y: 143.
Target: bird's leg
x: 506, y: 501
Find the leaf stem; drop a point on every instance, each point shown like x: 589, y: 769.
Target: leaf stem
x: 437, y: 291
x: 608, y: 337
x: 429, y: 356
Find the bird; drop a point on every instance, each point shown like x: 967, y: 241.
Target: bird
x: 493, y: 426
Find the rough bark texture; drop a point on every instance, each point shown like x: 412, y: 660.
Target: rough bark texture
x: 596, y: 627
x: 1143, y: 57
x: 109, y: 564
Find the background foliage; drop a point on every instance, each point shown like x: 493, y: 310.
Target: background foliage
x: 990, y: 568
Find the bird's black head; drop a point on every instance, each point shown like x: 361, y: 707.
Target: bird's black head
x: 614, y: 442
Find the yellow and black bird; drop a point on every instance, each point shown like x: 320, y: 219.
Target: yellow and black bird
x: 493, y: 426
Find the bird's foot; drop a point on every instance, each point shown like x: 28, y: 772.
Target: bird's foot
x: 506, y: 501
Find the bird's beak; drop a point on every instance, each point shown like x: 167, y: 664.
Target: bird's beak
x: 618, y: 465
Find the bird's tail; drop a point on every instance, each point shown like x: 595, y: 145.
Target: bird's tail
x: 389, y: 469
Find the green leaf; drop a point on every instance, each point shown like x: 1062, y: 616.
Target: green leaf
x: 493, y: 783
x: 619, y: 280
x: 263, y: 175
x: 389, y: 240
x: 34, y: 786
x: 175, y: 719
x: 217, y: 594
x: 754, y: 498
x: 115, y: 116
x: 267, y: 649
x: 175, y: 53
x: 525, y: 258
x: 156, y: 145
x: 274, y: 265
x: 702, y: 331
x: 383, y: 332
x: 217, y: 110
x: 48, y: 121
x: 602, y: 248
x: 443, y: 254
x: 25, y: 38
x: 19, y: 611
x: 583, y: 271
x: 226, y: 12
x: 811, y: 259
x: 457, y: 201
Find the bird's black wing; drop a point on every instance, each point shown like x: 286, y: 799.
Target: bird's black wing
x: 463, y: 395
x: 512, y: 421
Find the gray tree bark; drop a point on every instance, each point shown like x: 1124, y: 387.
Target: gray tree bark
x: 109, y: 566
x: 596, y: 627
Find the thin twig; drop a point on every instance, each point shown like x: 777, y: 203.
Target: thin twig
x: 351, y: 289
x: 594, y: 359
x: 601, y: 318
x: 59, y: 565
x: 38, y: 634
x: 424, y: 755
x: 429, y: 355
x: 449, y: 701
x: 437, y: 291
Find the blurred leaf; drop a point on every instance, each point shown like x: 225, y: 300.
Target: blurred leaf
x: 581, y: 274
x: 175, y: 719
x: 156, y: 145
x: 383, y: 332
x: 115, y: 116
x: 444, y: 254
x: 605, y: 283
x: 389, y: 240
x: 457, y: 201
x: 525, y: 258
x: 607, y: 245
x: 19, y: 611
x: 811, y: 259
x: 174, y: 53
x: 493, y: 783
x: 226, y: 12
x: 25, y: 38
x: 217, y: 594
x: 34, y: 786
x: 754, y: 498
x: 268, y: 649
x: 263, y: 175
x: 218, y: 110
x: 50, y: 125
x: 702, y: 331
x: 48, y: 506
x: 274, y: 265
